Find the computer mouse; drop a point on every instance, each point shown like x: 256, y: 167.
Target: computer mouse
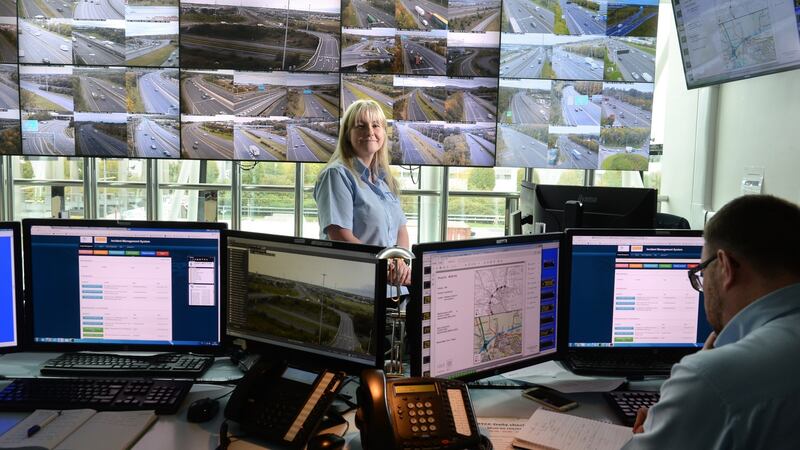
x: 202, y: 410
x: 326, y: 441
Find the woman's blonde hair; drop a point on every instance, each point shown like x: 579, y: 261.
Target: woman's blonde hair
x: 370, y: 110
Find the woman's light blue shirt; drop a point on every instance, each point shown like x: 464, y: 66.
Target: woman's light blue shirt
x: 369, y: 210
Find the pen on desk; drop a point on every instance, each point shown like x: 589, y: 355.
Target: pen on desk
x: 35, y: 429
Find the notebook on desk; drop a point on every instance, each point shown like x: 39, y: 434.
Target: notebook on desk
x: 629, y: 308
x: 74, y: 429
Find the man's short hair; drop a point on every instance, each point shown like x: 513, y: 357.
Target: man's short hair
x: 762, y: 230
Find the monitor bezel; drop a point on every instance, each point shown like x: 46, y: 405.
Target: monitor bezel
x: 307, y: 359
x: 27, y: 224
x: 414, y: 308
x: 566, y: 279
x: 16, y: 231
x: 691, y: 86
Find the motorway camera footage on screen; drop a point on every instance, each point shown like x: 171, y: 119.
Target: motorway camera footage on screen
x: 519, y: 83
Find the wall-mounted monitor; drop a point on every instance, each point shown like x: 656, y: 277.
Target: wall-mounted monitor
x: 737, y: 39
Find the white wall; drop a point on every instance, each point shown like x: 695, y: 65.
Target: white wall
x: 736, y: 125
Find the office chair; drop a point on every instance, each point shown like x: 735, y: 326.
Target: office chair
x: 671, y: 221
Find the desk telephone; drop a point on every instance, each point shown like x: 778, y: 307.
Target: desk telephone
x: 406, y: 413
x: 282, y: 404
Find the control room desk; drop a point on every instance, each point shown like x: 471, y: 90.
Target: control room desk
x: 174, y: 432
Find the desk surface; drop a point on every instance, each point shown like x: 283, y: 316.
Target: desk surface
x: 174, y: 432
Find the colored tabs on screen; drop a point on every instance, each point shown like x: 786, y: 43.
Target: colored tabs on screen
x: 100, y: 252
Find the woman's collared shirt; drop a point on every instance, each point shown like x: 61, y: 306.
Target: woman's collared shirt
x: 368, y: 209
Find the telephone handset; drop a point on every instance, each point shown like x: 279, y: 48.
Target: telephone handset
x: 406, y: 413
x: 282, y: 404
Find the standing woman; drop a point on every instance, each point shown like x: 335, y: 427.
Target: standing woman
x: 357, y: 197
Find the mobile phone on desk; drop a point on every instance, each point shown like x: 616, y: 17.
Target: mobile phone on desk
x: 550, y: 398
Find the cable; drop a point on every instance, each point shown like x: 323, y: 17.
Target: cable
x: 411, y: 170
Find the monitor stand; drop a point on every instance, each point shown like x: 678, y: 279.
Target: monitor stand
x: 573, y: 214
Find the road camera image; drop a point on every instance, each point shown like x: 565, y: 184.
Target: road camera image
x: 46, y: 88
x: 473, y: 15
x: 98, y: 42
x: 152, y: 91
x: 471, y: 100
x: 152, y: 44
x: 101, y: 134
x: 368, y: 13
x: 153, y: 136
x: 419, y: 99
x: 373, y: 87
x: 308, y: 300
x: 260, y: 94
x: 8, y: 39
x: 99, y: 89
x: 263, y: 34
x: 48, y: 133
x: 206, y: 137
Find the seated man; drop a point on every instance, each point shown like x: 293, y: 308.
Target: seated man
x: 743, y: 390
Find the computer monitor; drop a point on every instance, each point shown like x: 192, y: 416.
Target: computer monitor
x: 736, y: 39
x: 103, y: 285
x: 485, y: 306
x: 602, y: 207
x: 10, y: 287
x: 627, y: 291
x: 310, y: 303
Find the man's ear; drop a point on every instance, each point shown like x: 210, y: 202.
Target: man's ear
x: 729, y: 270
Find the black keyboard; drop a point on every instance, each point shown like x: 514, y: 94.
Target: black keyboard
x: 606, y: 365
x: 626, y: 403
x: 101, y: 394
x: 171, y: 365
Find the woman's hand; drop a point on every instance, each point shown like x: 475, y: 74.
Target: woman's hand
x: 399, y: 272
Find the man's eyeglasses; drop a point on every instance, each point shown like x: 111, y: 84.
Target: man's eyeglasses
x: 696, y: 274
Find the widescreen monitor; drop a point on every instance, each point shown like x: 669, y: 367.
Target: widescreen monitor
x: 486, y: 306
x: 737, y: 39
x: 102, y: 285
x: 601, y: 207
x: 628, y: 291
x: 10, y: 287
x: 312, y: 303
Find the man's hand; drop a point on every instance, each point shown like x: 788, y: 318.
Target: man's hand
x: 710, y: 341
x: 402, y: 275
x: 638, y: 424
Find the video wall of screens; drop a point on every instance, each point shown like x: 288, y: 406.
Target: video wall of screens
x: 576, y: 83
x: 523, y: 83
x: 432, y: 65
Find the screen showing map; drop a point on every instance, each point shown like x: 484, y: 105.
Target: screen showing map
x: 500, y: 297
x: 726, y: 40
